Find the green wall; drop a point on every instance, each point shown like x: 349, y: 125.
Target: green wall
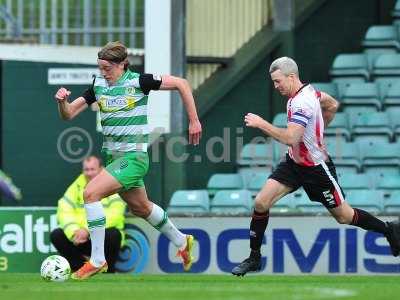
x: 30, y: 129
x: 252, y: 94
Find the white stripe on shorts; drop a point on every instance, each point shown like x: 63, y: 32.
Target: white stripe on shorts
x: 335, y: 184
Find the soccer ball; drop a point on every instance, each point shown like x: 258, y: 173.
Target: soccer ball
x: 55, y: 268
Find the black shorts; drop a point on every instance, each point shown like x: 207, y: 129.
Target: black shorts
x: 320, y: 182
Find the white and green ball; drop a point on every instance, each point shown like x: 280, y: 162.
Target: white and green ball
x: 55, y: 268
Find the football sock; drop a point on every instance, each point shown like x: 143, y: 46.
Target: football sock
x: 158, y: 218
x: 366, y: 221
x: 259, y: 222
x: 96, y: 222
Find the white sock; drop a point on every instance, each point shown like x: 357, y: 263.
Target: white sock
x: 158, y: 218
x: 96, y: 220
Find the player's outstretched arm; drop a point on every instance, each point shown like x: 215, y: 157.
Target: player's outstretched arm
x: 329, y: 107
x: 67, y: 110
x: 289, y: 136
x: 176, y: 83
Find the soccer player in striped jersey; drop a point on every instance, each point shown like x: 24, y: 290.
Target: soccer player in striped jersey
x: 122, y: 97
x: 306, y: 164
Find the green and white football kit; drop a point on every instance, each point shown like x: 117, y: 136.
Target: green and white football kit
x: 123, y: 112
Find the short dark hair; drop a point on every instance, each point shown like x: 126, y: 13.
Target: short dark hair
x: 91, y: 157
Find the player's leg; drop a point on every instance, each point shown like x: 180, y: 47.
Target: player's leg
x: 281, y: 182
x: 124, y: 170
x: 322, y: 186
x: 269, y: 194
x: 130, y: 170
x: 141, y: 206
x: 103, y: 185
x: 345, y: 214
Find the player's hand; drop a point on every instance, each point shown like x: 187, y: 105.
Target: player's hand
x: 253, y: 120
x: 194, y: 132
x: 62, y: 94
x: 80, y: 236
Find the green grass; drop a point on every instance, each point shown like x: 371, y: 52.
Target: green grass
x: 205, y: 287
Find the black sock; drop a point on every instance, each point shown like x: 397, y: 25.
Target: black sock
x: 259, y: 222
x: 366, y: 221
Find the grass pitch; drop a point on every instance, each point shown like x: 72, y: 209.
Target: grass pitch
x: 204, y: 287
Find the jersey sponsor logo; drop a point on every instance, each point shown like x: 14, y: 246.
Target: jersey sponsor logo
x: 115, y: 102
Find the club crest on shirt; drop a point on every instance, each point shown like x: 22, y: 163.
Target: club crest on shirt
x: 130, y: 90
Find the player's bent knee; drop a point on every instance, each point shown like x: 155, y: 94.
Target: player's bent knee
x: 139, y: 212
x: 90, y: 196
x: 142, y: 211
x: 261, y: 205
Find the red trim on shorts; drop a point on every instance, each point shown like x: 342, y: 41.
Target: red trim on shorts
x: 336, y: 196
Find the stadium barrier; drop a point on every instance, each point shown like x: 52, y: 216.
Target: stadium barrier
x: 292, y: 245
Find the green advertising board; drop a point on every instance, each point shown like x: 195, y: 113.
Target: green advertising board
x: 25, y: 241
x: 25, y: 237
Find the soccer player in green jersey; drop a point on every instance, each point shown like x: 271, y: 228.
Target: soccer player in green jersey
x: 122, y: 97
